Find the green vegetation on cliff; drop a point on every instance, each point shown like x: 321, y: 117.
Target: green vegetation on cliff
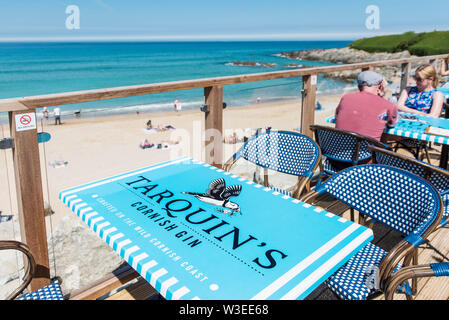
x: 420, y: 44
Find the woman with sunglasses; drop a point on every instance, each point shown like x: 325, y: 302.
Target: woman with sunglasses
x: 423, y: 98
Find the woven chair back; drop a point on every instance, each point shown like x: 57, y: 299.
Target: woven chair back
x: 392, y: 196
x: 282, y: 151
x: 438, y: 177
x: 343, y: 146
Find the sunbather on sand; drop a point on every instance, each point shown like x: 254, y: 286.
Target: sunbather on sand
x: 146, y: 144
x: 152, y: 129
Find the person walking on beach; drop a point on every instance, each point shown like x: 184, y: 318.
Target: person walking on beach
x: 366, y: 112
x: 57, y: 114
x: 45, y: 113
x: 177, y: 105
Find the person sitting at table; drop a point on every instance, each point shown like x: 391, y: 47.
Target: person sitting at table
x: 424, y: 98
x: 366, y: 112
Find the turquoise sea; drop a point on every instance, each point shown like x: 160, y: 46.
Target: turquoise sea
x: 41, y: 68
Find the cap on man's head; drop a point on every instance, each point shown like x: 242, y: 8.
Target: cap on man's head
x: 369, y: 79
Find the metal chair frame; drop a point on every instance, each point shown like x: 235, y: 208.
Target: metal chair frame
x: 30, y: 267
x: 413, y: 273
x: 30, y: 264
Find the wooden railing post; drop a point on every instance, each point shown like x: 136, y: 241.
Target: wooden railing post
x: 30, y: 198
x: 406, y: 67
x: 308, y: 103
x: 214, y: 125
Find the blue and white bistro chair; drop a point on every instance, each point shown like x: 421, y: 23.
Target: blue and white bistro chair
x: 414, y: 272
x: 49, y: 292
x: 395, y: 198
x: 282, y: 151
x: 341, y: 149
x: 437, y: 176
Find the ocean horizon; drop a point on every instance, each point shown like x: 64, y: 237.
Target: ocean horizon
x: 37, y: 68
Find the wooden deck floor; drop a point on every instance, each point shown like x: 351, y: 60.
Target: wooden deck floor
x: 436, y: 250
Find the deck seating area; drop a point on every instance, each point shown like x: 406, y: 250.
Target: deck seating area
x: 435, y: 250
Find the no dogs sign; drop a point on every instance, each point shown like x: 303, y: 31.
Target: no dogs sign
x: 25, y: 121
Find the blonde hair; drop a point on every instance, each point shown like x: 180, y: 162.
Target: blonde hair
x: 427, y: 71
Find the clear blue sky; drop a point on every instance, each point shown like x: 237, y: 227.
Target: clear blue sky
x: 217, y: 20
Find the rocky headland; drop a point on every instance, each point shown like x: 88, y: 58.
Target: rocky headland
x: 348, y: 56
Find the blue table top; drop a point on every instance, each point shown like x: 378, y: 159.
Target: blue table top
x: 239, y: 241
x: 414, y: 126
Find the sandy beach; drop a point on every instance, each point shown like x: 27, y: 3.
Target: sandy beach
x: 95, y: 148
x: 99, y: 147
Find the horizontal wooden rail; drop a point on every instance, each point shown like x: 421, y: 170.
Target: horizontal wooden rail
x: 33, y: 102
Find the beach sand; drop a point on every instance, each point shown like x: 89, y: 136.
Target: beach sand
x: 96, y: 148
x: 99, y: 147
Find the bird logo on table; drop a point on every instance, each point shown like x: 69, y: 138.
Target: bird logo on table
x: 218, y: 195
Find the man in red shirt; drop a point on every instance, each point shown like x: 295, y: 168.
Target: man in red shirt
x: 366, y: 112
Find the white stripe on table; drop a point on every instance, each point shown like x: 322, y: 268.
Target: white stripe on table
x: 156, y: 275
x: 129, y: 251
x: 89, y: 215
x: 78, y: 206
x: 70, y: 197
x: 137, y: 259
x: 115, y: 237
x: 72, y: 204
x: 301, y: 266
x: 108, y: 231
x: 101, y: 226
x: 83, y: 211
x: 323, y: 269
x: 121, y: 244
x: 146, y: 267
x: 180, y: 293
x: 94, y: 221
x: 167, y: 284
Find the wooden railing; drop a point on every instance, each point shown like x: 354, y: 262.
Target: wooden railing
x: 26, y: 153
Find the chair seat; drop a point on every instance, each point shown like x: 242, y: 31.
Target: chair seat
x: 331, y: 167
x: 328, y: 168
x: 350, y: 281
x: 413, y: 143
x: 50, y: 292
